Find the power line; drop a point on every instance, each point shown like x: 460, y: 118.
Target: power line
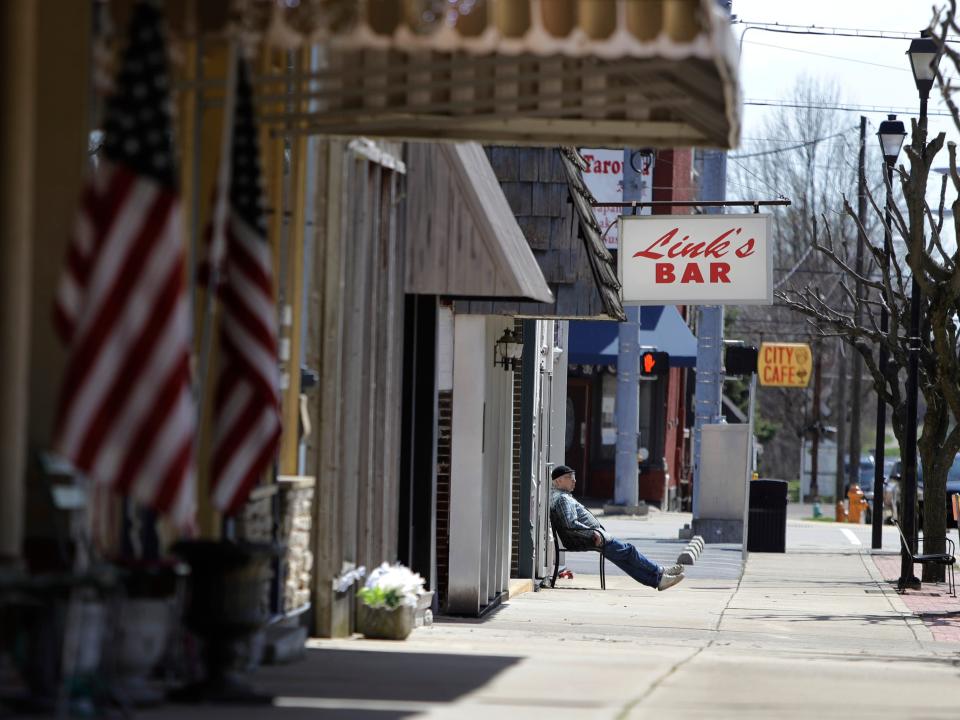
x: 833, y: 57
x: 791, y: 147
x: 748, y: 188
x: 843, y: 107
x: 834, y: 31
x: 777, y: 140
x: 792, y: 270
x: 770, y: 187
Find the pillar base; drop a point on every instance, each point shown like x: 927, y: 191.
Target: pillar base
x: 718, y: 531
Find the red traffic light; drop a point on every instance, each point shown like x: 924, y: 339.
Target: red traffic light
x: 653, y: 364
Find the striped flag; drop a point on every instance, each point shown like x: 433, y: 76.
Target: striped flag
x: 247, y: 404
x: 126, y: 415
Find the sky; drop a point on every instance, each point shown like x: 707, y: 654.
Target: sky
x: 871, y: 71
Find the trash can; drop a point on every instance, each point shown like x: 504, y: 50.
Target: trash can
x: 767, y: 524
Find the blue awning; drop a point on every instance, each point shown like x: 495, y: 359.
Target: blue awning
x: 595, y: 342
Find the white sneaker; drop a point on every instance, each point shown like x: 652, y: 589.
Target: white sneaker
x: 668, y: 581
x: 674, y: 570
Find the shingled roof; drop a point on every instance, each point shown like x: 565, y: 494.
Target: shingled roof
x: 551, y: 203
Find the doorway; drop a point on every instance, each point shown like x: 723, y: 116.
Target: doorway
x: 578, y: 432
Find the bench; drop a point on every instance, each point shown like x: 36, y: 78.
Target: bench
x: 557, y: 547
x: 946, y: 559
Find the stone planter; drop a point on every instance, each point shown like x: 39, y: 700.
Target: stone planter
x: 385, y: 624
x: 144, y: 626
x: 224, y: 607
x: 143, y: 629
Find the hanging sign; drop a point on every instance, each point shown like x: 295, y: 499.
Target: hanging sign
x: 784, y: 364
x: 696, y: 260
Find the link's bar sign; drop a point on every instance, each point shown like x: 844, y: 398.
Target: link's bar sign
x: 784, y: 364
x: 696, y: 260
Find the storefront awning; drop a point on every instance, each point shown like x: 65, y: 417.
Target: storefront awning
x: 595, y: 73
x: 462, y: 239
x: 661, y: 328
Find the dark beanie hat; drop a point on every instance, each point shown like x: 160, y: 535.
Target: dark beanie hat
x: 560, y: 470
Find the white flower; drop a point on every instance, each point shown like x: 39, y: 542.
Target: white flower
x: 397, y: 577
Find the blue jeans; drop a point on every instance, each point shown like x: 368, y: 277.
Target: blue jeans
x: 626, y: 557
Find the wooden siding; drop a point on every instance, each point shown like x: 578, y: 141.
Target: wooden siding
x: 550, y: 201
x: 462, y: 238
x: 355, y: 336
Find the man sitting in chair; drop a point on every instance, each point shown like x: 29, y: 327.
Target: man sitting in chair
x: 579, y: 530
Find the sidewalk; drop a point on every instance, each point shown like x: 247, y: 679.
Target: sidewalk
x: 932, y: 603
x: 800, y: 635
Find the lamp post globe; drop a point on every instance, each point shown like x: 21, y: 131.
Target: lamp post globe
x: 924, y: 57
x: 891, y: 135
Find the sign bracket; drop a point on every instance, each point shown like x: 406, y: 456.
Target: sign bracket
x: 635, y: 204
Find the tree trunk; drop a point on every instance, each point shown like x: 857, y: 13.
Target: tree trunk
x: 930, y: 448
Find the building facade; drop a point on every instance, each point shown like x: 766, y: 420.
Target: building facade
x: 398, y: 264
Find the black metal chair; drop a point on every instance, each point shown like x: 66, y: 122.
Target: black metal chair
x: 556, y: 560
x: 946, y: 559
x: 955, y: 505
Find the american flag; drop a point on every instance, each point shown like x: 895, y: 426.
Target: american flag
x: 126, y: 415
x: 247, y: 403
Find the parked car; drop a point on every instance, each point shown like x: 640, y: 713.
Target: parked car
x: 896, y: 476
x: 953, y: 487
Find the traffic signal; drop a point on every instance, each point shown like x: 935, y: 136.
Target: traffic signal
x: 654, y: 364
x: 740, y: 360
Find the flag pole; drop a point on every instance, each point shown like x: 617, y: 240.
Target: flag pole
x: 216, y: 249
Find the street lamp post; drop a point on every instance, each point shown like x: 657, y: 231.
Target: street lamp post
x: 923, y: 60
x: 891, y: 135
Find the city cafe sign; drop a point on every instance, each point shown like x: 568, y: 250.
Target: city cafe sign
x: 696, y: 260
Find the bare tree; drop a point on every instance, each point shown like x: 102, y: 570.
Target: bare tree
x: 938, y: 274
x: 808, y: 155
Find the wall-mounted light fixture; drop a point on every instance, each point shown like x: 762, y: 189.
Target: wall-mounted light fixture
x: 508, y: 350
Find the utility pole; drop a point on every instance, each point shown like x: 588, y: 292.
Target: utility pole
x: 709, y: 387
x: 815, y: 445
x: 626, y: 488
x: 841, y: 416
x: 855, y: 437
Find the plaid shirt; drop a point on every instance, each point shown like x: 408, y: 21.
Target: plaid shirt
x: 573, y: 522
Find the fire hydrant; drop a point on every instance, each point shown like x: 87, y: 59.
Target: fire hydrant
x: 858, y: 503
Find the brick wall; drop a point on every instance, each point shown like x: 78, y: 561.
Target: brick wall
x: 444, y: 428
x: 517, y: 436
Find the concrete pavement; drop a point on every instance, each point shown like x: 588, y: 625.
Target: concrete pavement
x: 813, y: 633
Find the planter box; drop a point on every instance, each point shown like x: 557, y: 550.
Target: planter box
x: 384, y: 624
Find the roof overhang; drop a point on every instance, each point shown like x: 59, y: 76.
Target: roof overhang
x: 661, y: 328
x: 604, y: 73
x: 462, y: 238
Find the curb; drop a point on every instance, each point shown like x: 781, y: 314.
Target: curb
x: 693, y: 550
x: 519, y: 586
x: 910, y: 617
